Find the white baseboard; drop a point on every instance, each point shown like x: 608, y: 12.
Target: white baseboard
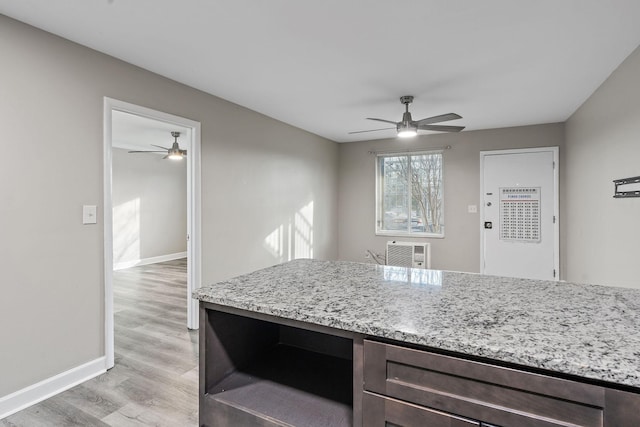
x: 38, y: 392
x: 145, y: 261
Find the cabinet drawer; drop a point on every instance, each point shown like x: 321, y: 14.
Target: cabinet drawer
x: 379, y: 411
x: 480, y: 391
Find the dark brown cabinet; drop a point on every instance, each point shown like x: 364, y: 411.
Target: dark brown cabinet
x: 260, y: 370
x: 386, y: 412
x: 487, y: 394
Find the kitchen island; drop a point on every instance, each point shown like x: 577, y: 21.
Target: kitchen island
x: 329, y: 343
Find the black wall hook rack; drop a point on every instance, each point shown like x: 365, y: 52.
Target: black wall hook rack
x: 624, y: 181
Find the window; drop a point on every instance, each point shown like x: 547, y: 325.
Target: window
x: 409, y: 194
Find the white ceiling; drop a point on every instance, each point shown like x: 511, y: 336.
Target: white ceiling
x: 325, y: 65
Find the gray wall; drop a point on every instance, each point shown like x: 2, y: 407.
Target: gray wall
x: 257, y: 174
x: 149, y: 197
x: 603, y: 144
x: 460, y: 248
x: 267, y: 200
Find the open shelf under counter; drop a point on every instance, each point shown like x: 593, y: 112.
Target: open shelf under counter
x: 267, y: 374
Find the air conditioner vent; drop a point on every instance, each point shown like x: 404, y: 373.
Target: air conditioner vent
x: 408, y: 254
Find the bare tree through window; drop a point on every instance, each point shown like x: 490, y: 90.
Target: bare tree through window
x: 410, y: 193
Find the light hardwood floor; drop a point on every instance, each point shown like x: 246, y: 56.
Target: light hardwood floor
x: 155, y: 378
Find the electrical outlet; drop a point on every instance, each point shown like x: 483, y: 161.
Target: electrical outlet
x: 472, y: 208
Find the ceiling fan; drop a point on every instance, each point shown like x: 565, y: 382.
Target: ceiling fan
x: 408, y: 127
x: 173, y: 153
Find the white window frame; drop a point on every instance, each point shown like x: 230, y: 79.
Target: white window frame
x: 378, y: 209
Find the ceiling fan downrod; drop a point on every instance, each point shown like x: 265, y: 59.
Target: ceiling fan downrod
x: 406, y: 128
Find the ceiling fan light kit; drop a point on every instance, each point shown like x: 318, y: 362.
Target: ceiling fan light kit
x: 405, y: 130
x: 173, y: 153
x: 407, y: 127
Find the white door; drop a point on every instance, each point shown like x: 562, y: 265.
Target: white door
x: 519, y: 213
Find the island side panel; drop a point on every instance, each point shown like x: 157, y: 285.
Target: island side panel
x: 358, y: 379
x: 202, y: 362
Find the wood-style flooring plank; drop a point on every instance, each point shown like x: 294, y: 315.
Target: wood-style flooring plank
x: 155, y: 378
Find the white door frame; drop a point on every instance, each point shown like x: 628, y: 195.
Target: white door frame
x: 556, y: 205
x: 193, y: 213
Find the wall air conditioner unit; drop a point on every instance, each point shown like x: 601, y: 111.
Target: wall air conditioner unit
x: 408, y: 254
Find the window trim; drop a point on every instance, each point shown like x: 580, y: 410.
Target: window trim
x: 378, y: 195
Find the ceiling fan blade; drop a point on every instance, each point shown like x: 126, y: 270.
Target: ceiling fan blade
x: 164, y: 148
x: 372, y: 130
x: 439, y: 128
x: 438, y: 119
x: 136, y: 151
x: 382, y: 120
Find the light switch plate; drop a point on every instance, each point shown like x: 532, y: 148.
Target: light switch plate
x: 89, y: 214
x: 472, y: 208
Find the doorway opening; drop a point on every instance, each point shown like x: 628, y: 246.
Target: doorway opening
x: 189, y: 140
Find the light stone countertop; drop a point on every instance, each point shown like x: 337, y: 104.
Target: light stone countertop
x: 585, y: 330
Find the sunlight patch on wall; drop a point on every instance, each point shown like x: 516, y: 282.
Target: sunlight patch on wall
x: 126, y: 232
x: 275, y: 243
x: 293, y: 238
x: 303, y: 223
